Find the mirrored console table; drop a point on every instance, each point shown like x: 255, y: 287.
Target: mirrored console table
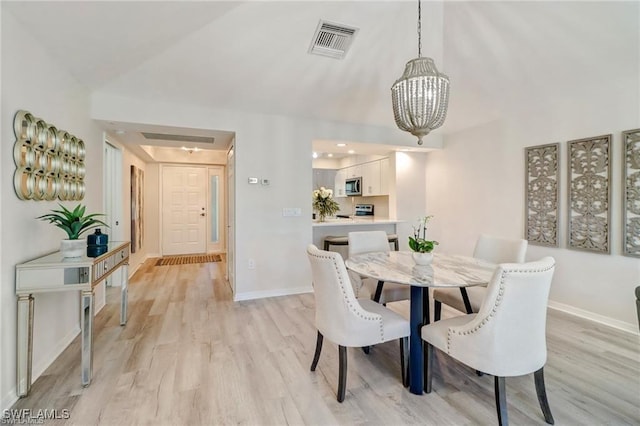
x: 54, y: 273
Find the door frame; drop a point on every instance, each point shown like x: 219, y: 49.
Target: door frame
x: 231, y: 218
x: 221, y: 245
x: 112, y: 181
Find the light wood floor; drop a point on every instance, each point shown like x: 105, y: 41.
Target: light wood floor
x: 191, y: 356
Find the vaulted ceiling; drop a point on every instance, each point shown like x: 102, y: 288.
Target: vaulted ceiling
x: 252, y: 56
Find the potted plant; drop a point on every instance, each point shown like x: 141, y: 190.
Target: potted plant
x: 324, y: 203
x: 74, y: 223
x: 422, y: 247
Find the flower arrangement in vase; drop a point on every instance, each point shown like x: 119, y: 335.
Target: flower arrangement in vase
x: 74, y: 223
x: 324, y: 203
x: 422, y: 247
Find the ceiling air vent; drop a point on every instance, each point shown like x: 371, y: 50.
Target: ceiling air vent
x: 332, y: 40
x: 179, y: 138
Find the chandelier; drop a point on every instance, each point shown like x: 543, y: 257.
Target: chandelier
x: 421, y: 96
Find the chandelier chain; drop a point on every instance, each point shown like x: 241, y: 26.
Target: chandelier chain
x: 419, y: 30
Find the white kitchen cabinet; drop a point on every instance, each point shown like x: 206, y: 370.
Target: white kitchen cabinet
x: 338, y: 189
x: 374, y: 174
x: 371, y: 179
x: 353, y: 171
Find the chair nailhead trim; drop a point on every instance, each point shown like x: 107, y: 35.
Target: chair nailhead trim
x: 494, y: 309
x: 349, y: 304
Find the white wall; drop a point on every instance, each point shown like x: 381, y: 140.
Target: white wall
x: 476, y: 185
x: 130, y: 159
x: 34, y: 81
x: 267, y: 146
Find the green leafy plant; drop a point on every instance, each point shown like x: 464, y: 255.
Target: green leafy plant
x: 324, y: 203
x: 418, y: 242
x: 73, y: 222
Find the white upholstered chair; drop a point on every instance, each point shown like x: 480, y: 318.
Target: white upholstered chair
x: 347, y: 321
x: 489, y: 248
x: 507, y: 336
x: 366, y: 242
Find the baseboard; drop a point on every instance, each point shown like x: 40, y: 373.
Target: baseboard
x: 11, y: 397
x: 581, y: 313
x: 250, y: 295
x: 601, y: 319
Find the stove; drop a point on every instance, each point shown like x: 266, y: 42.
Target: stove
x: 364, y: 209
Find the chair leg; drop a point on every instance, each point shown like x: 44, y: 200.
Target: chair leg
x: 542, y: 396
x: 378, y: 294
x: 342, y: 372
x: 501, y: 401
x: 428, y: 367
x: 316, y: 356
x: 465, y: 300
x: 366, y: 349
x: 437, y: 310
x: 404, y: 360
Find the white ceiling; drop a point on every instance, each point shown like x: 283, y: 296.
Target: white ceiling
x: 252, y: 56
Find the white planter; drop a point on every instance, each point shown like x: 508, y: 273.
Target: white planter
x: 422, y: 258
x: 73, y: 248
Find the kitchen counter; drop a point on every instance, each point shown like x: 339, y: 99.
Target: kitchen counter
x: 355, y: 221
x: 341, y: 227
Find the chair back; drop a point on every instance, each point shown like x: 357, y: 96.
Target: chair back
x: 500, y: 250
x: 339, y: 316
x: 507, y: 335
x: 361, y: 242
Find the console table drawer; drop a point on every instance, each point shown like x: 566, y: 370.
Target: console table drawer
x: 52, y: 279
x: 105, y: 266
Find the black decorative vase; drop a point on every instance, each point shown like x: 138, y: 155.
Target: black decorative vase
x: 97, y: 244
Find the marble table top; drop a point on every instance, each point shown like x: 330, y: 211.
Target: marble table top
x: 444, y: 271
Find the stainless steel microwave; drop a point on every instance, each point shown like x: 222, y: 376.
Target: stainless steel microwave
x: 353, y: 186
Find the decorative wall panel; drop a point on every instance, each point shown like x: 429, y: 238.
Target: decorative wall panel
x: 631, y: 193
x: 541, y: 193
x: 49, y: 162
x: 589, y: 176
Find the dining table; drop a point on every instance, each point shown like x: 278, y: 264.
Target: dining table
x: 444, y: 271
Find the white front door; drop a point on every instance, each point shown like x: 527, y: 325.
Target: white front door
x: 184, y: 202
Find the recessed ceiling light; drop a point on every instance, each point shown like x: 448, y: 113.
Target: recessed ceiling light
x: 341, y: 144
x: 329, y: 155
x: 351, y: 151
x: 315, y: 155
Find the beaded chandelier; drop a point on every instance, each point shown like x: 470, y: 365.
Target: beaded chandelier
x: 421, y: 96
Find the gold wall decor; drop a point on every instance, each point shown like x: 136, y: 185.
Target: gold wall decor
x: 49, y: 162
x: 589, y: 177
x: 542, y: 184
x: 631, y: 193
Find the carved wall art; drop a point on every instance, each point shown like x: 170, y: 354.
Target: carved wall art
x: 541, y: 193
x: 49, y: 162
x: 631, y: 193
x: 590, y: 194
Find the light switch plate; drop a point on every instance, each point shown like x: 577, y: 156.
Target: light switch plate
x: 291, y: 211
x: 253, y: 180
